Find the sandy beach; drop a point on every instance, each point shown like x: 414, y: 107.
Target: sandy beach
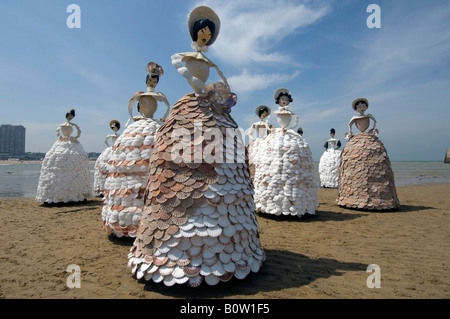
x: 321, y: 256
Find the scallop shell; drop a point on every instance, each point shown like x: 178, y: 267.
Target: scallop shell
x: 211, y: 280
x: 194, y: 251
x: 229, y: 231
x: 191, y: 271
x: 175, y: 254
x: 165, y: 271
x: 205, y: 270
x: 197, y: 241
x: 169, y: 281
x: 157, y: 277
x: 159, y: 261
x: 224, y: 257
x: 178, y: 272
x: 226, y: 277
x: 241, y: 273
x: 195, y: 281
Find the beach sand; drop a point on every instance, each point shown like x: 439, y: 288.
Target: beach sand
x: 321, y: 256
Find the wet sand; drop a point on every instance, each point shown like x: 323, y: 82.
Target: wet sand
x: 321, y: 256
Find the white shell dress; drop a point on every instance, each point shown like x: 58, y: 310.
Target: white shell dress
x: 285, y: 179
x: 101, y: 167
x: 65, y: 174
x: 329, y: 165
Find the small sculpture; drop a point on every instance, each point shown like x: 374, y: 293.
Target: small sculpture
x: 366, y: 179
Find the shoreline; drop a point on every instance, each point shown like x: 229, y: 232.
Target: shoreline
x: 320, y: 256
x: 19, y: 162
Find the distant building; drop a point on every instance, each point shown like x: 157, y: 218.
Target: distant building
x: 12, y: 140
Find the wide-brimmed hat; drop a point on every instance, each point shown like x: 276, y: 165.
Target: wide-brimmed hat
x: 204, y: 12
x: 355, y: 101
x: 281, y: 90
x: 262, y: 107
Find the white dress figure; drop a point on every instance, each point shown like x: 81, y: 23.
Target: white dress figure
x: 260, y: 129
x: 285, y: 179
x: 129, y: 161
x: 101, y: 164
x: 366, y: 179
x: 199, y: 222
x: 329, y: 162
x: 65, y: 174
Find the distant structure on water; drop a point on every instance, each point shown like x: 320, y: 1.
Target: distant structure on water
x: 12, y: 140
x: 447, y: 156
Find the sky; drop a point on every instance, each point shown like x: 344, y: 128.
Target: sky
x: 92, y: 57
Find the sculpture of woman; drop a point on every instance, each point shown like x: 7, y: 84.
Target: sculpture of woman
x: 262, y: 128
x: 366, y: 179
x: 65, y: 174
x: 128, y: 163
x: 329, y: 162
x: 198, y: 223
x: 101, y: 164
x: 285, y: 180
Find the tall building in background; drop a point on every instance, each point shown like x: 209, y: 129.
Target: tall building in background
x: 12, y: 140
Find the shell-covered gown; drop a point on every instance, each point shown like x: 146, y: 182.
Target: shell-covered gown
x: 128, y: 163
x: 101, y: 166
x: 65, y: 174
x: 366, y: 179
x: 256, y: 144
x: 199, y: 222
x: 329, y: 165
x: 285, y: 179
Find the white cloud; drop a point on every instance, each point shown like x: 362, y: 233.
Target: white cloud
x: 255, y: 30
x: 247, y: 82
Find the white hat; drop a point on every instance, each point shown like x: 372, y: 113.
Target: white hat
x: 281, y: 90
x: 262, y: 107
x: 204, y: 12
x: 355, y: 101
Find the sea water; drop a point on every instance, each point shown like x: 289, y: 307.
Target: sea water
x: 20, y: 180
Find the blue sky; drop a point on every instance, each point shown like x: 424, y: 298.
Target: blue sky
x: 322, y: 51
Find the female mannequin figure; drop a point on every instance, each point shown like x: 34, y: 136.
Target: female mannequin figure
x: 366, y: 179
x: 285, y: 180
x: 128, y: 163
x: 198, y: 223
x: 261, y: 128
x: 204, y: 26
x: 101, y: 164
x: 65, y: 174
x: 329, y: 162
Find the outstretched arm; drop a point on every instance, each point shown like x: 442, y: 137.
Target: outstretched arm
x: 349, y: 134
x: 106, y: 140
x: 163, y: 98
x: 196, y: 83
x: 373, y: 119
x: 219, y: 72
x: 251, y: 132
x: 78, y: 131
x: 58, y: 133
x: 350, y: 124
